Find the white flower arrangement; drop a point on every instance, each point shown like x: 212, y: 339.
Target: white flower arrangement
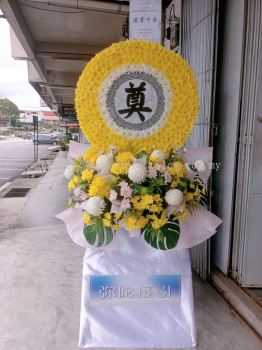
x: 69, y: 171
x: 174, y: 197
x: 137, y: 173
x: 200, y: 166
x: 104, y: 162
x: 94, y: 206
x: 158, y: 154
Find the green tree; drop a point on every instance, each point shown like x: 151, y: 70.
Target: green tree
x: 9, y: 110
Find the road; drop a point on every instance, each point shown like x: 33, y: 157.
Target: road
x: 15, y: 157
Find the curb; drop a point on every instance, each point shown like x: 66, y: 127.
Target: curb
x: 247, y: 308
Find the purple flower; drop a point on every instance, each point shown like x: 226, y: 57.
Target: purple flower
x: 168, y: 177
x: 152, y: 172
x: 125, y: 189
x: 113, y: 195
x: 125, y: 204
x: 81, y: 195
x: 162, y: 169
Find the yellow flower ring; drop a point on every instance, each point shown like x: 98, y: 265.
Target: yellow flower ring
x: 137, y: 94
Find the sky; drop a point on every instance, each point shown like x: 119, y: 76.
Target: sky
x: 13, y: 75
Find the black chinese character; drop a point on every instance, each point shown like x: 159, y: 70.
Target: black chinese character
x: 135, y: 100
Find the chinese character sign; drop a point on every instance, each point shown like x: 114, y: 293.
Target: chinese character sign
x: 120, y: 289
x: 145, y: 20
x: 135, y: 101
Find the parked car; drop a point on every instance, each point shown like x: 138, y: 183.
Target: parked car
x: 27, y: 136
x: 45, y: 139
x: 58, y: 135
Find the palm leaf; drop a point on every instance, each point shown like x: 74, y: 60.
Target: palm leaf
x: 98, y: 235
x: 163, y: 238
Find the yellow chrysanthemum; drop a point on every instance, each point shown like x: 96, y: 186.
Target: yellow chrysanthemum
x: 156, y: 221
x: 107, y: 220
x: 194, y: 196
x: 172, y: 67
x: 71, y: 185
x: 91, y: 155
x: 155, y: 208
x: 174, y: 183
x: 76, y: 179
x: 181, y: 216
x: 134, y: 222
x: 99, y: 187
x: 189, y: 196
x: 118, y: 215
x: 119, y: 168
x: 198, y: 194
x: 73, y: 182
x: 153, y: 159
x: 157, y: 198
x: 142, y: 202
x: 87, y: 219
x: 124, y: 157
x: 178, y: 169
x: 87, y: 175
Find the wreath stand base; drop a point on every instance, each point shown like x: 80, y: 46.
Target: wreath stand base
x: 137, y: 325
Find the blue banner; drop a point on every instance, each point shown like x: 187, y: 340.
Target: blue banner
x: 110, y: 289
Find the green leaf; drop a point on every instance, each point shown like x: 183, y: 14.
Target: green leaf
x: 164, y: 238
x: 90, y: 233
x: 141, y: 154
x: 184, y: 182
x: 97, y: 234
x: 83, y: 186
x: 139, y: 189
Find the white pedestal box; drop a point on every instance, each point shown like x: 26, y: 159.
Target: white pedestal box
x: 144, y: 322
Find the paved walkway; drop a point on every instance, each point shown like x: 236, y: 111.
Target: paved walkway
x: 15, y: 156
x: 40, y: 282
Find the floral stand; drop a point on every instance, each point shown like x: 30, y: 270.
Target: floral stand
x: 137, y: 198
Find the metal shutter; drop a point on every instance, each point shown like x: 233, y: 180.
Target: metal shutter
x: 198, y: 47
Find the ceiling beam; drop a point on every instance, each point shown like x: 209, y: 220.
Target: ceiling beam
x: 112, y: 7
x: 59, y: 86
x: 65, y: 56
x: 15, y: 17
x: 51, y: 48
x: 62, y: 78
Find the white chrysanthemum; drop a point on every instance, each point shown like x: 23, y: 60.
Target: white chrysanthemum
x: 69, y: 171
x: 200, y: 166
x: 104, y: 162
x: 137, y: 172
x: 174, y: 197
x: 94, y: 206
x: 158, y: 154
